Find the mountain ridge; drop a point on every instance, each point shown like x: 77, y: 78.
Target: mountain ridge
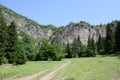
x: 57, y: 35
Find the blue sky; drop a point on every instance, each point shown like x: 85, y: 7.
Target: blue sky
x: 61, y: 12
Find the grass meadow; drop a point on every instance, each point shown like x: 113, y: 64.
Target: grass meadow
x: 8, y: 71
x: 95, y: 68
x: 98, y: 68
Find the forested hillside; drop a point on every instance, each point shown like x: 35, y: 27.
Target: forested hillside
x: 22, y: 39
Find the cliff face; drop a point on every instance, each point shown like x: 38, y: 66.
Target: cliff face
x: 56, y: 35
x: 72, y: 31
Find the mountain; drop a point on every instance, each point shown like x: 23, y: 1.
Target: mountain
x: 26, y: 25
x: 59, y: 35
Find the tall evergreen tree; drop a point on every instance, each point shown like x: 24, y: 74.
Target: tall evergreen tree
x: 91, y: 47
x: 76, y: 46
x: 92, y: 44
x: 89, y: 42
x: 12, y: 43
x: 68, y: 51
x: 117, y: 37
x: 3, y: 38
x: 20, y: 56
x: 100, y: 44
x: 109, y: 42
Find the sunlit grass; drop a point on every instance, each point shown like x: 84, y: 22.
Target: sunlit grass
x: 8, y: 71
x: 98, y: 68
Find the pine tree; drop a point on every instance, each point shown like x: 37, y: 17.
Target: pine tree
x: 117, y: 37
x: 89, y: 43
x: 68, y: 51
x: 3, y: 38
x: 91, y: 47
x: 20, y: 56
x: 76, y: 47
x: 109, y: 42
x: 100, y: 44
x: 12, y: 43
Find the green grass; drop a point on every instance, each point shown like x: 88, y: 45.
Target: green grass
x: 7, y: 71
x: 98, y: 68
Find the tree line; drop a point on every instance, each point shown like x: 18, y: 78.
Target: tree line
x: 104, y: 46
x: 10, y: 51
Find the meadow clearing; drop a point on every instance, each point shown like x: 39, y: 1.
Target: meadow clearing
x: 98, y: 68
x: 94, y: 68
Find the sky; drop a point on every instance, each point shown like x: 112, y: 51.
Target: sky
x: 62, y: 12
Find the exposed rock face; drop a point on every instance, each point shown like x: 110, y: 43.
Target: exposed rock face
x: 71, y: 31
x: 65, y: 35
x: 26, y: 25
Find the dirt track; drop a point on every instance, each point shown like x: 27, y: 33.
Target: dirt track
x: 52, y: 74
x: 49, y: 76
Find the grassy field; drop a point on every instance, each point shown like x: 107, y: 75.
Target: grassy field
x: 9, y: 71
x: 98, y: 68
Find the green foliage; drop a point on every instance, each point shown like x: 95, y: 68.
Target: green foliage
x: 49, y: 52
x: 3, y: 38
x: 12, y: 43
x: 83, y: 52
x: 28, y: 43
x: 21, y: 56
x: 117, y: 37
x: 109, y: 43
x: 68, y: 51
x: 77, y: 49
x: 91, y: 48
x: 57, y: 39
x: 100, y: 44
x: 50, y: 26
x: 76, y: 45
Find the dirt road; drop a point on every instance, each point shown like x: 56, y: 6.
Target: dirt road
x: 52, y: 74
x: 49, y: 76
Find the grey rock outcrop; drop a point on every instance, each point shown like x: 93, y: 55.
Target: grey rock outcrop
x: 71, y: 31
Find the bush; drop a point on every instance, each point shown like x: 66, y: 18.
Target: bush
x: 49, y: 52
x: 5, y: 60
x: 21, y: 56
x: 87, y: 53
x: 69, y: 79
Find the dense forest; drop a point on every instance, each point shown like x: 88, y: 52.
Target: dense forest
x: 17, y: 47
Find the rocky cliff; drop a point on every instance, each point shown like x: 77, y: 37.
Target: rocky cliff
x: 61, y: 35
x: 82, y: 29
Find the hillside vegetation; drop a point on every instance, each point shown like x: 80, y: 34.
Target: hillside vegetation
x: 29, y: 50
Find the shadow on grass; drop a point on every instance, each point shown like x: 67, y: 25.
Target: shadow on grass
x: 69, y: 79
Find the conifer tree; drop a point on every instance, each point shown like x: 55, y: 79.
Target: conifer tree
x: 100, y: 44
x: 68, y: 51
x: 91, y: 47
x: 76, y: 46
x: 12, y: 43
x: 117, y: 37
x: 3, y: 38
x: 20, y: 56
x: 109, y: 42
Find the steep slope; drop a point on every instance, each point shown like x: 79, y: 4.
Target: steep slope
x: 26, y: 25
